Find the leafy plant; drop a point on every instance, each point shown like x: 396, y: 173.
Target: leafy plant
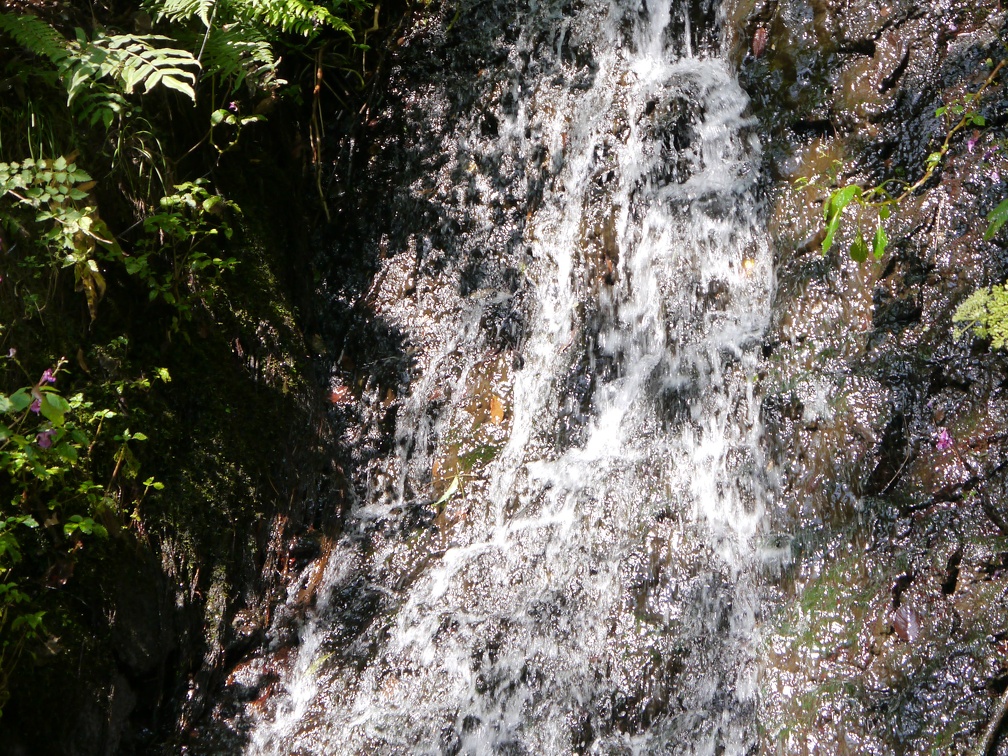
x: 47, y: 463
x: 985, y: 313
x: 300, y: 17
x: 878, y: 202
x: 130, y: 61
x: 236, y: 38
x: 55, y: 191
x: 996, y: 218
x: 170, y: 259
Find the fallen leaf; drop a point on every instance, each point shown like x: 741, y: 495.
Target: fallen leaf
x: 496, y: 410
x: 759, y: 41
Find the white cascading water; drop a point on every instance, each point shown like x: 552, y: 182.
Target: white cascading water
x: 596, y: 594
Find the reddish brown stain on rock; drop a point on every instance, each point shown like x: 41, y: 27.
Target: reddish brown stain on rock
x: 759, y: 41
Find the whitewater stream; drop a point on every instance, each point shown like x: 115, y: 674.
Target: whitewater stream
x: 560, y: 551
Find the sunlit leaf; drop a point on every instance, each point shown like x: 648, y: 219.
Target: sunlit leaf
x: 997, y: 218
x: 859, y: 249
x: 879, y: 242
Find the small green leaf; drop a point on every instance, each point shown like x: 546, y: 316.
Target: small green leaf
x: 840, y: 199
x: 997, y: 218
x: 831, y: 230
x: 53, y: 407
x: 884, y: 212
x: 879, y: 242
x: 67, y: 453
x: 859, y: 249
x: 21, y: 400
x: 452, y: 488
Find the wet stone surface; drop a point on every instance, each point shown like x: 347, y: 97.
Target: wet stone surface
x: 887, y: 599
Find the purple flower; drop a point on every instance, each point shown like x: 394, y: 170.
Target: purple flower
x: 47, y: 377
x: 12, y: 354
x: 44, y: 439
x: 233, y: 106
x: 995, y: 176
x: 971, y: 143
x: 36, y: 406
x: 943, y: 440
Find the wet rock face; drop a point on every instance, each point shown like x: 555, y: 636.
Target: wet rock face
x: 888, y: 432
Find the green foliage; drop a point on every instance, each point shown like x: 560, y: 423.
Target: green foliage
x: 170, y: 260
x: 236, y: 38
x: 239, y: 54
x: 985, y: 312
x: 85, y: 67
x: 69, y: 464
x: 131, y: 61
x: 49, y: 465
x: 996, y: 218
x: 53, y: 190
x: 877, y: 202
x: 299, y: 17
x: 230, y: 122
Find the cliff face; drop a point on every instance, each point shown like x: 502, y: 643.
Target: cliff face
x: 885, y: 622
x: 888, y: 430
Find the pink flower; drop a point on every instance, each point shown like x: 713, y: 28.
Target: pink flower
x: 47, y: 377
x: 995, y: 176
x: 971, y: 143
x: 44, y: 439
x: 36, y: 406
x: 943, y: 440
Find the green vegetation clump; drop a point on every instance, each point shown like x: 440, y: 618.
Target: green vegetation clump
x: 985, y: 312
x: 126, y: 425
x: 883, y: 199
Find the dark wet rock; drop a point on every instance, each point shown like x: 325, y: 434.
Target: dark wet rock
x: 887, y: 430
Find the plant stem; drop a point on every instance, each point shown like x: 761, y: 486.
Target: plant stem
x: 933, y: 166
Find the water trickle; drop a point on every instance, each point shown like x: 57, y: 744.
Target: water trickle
x: 586, y: 583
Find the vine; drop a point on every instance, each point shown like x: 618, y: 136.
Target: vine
x: 883, y: 198
x: 985, y: 312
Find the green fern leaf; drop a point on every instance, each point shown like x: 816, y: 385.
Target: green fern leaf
x: 237, y: 53
x: 36, y: 36
x: 183, y: 10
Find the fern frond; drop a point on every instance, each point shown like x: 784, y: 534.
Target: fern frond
x: 36, y: 36
x: 291, y: 16
x: 130, y: 60
x: 302, y: 17
x: 181, y: 11
x: 237, y: 54
x: 142, y: 63
x: 99, y: 103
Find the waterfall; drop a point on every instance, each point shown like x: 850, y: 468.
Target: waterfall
x: 590, y: 495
